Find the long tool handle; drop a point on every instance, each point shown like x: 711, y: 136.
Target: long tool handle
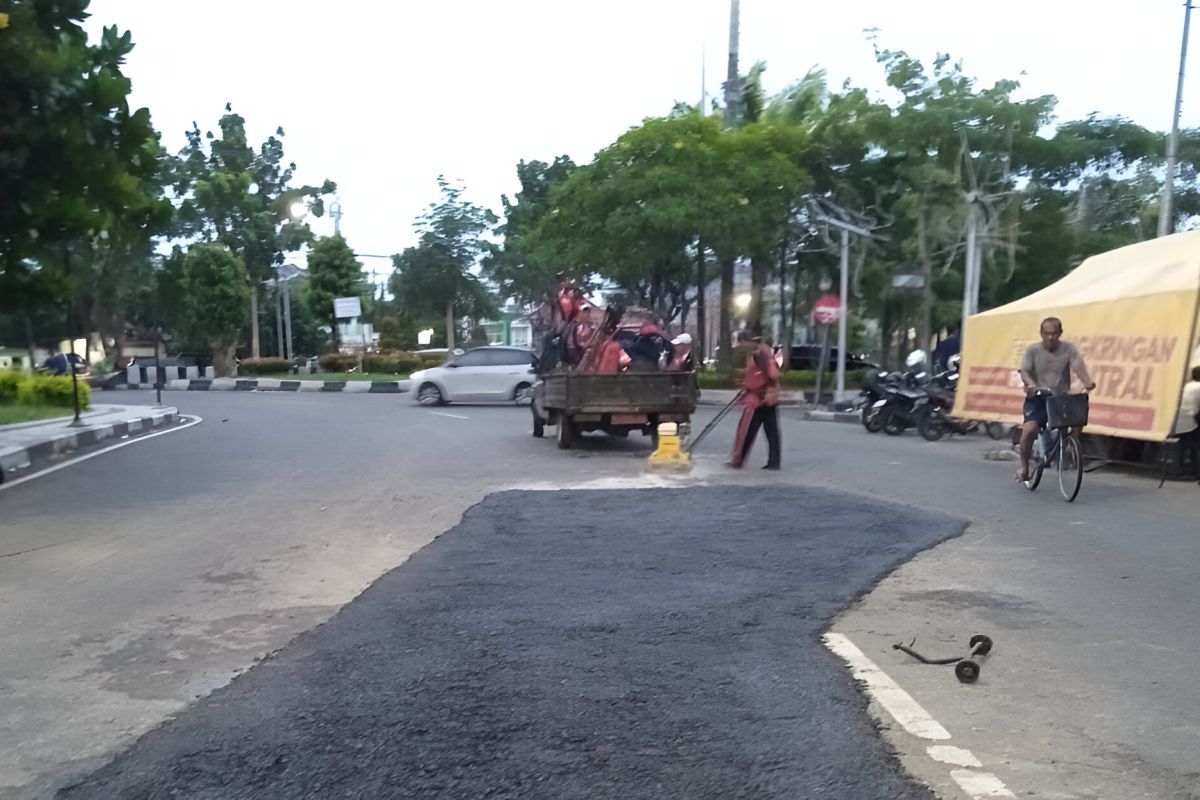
x: 715, y: 421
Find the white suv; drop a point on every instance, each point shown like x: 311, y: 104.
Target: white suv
x: 484, y: 374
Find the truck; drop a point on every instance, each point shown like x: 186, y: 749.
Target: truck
x: 573, y: 403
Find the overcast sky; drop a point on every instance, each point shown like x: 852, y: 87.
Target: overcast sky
x: 383, y: 95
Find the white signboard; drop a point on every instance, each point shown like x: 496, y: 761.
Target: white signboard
x: 344, y: 307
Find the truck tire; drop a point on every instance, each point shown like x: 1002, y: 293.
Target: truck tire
x: 564, y: 433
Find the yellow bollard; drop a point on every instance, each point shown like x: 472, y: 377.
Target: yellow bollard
x: 669, y: 452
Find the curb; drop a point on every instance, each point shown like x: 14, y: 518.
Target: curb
x: 275, y: 385
x: 23, y: 459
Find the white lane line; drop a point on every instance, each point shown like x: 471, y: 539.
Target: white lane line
x: 980, y: 784
x: 899, y: 703
x: 949, y: 754
x: 9, y: 484
x: 451, y: 416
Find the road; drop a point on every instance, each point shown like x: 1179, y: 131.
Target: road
x: 136, y: 582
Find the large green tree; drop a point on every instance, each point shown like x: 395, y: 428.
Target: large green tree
x: 510, y: 264
x: 77, y: 165
x: 333, y: 272
x: 438, y: 275
x: 214, y: 294
x: 228, y: 192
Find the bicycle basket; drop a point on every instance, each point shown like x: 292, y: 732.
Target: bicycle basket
x: 1067, y: 411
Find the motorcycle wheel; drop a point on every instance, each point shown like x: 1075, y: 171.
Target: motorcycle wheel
x: 892, y: 424
x: 929, y: 425
x: 871, y: 420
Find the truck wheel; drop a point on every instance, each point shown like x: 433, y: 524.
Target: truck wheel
x: 564, y: 433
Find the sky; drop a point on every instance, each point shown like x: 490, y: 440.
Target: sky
x: 382, y: 96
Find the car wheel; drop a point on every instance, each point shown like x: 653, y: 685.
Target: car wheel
x: 523, y: 394
x: 430, y: 395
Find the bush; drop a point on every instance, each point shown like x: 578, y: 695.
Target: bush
x: 394, y: 363
x: 432, y: 360
x: 264, y: 366
x: 10, y: 381
x: 51, y: 390
x: 795, y: 379
x: 338, y: 362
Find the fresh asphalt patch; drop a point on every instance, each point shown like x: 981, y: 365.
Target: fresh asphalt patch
x: 577, y: 644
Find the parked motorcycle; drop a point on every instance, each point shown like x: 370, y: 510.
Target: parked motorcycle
x: 934, y: 413
x: 895, y: 412
x: 875, y: 388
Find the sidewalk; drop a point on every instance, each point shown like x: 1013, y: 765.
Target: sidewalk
x: 29, y: 445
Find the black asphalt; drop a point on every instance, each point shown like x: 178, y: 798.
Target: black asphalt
x: 600, y: 644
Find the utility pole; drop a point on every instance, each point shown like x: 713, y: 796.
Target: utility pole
x: 844, y: 285
x: 1164, y: 212
x: 287, y: 317
x: 733, y: 83
x: 974, y: 257
x: 335, y: 211
x: 279, y: 318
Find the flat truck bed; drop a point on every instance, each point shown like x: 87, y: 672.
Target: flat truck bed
x: 616, y: 404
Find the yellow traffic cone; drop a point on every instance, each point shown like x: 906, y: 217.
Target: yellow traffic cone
x: 669, y: 453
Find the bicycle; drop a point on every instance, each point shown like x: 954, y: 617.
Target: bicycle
x: 1058, y: 442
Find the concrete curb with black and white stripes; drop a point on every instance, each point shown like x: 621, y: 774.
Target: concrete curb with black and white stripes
x: 189, y: 379
x: 52, y: 443
x: 277, y: 385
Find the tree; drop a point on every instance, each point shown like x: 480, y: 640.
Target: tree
x: 436, y: 275
x: 332, y: 272
x: 214, y: 294
x: 510, y: 265
x: 76, y: 164
x: 242, y: 198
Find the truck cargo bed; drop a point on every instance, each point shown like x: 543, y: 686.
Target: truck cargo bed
x: 626, y: 392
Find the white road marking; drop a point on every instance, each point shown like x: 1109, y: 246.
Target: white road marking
x: 917, y: 721
x: 451, y: 416
x: 980, y: 784
x: 949, y: 754
x: 9, y: 484
x: 899, y: 703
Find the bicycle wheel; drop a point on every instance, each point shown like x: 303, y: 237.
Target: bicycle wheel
x: 1070, y: 467
x: 1037, y: 465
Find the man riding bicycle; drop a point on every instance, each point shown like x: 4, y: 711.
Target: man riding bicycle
x: 1046, y: 365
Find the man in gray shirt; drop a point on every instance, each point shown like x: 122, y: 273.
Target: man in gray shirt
x: 1046, y: 365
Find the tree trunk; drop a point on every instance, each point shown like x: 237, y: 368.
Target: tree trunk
x: 449, y: 326
x: 725, y: 329
x: 255, y: 350
x: 758, y: 279
x: 701, y: 285
x: 30, y: 341
x: 222, y: 357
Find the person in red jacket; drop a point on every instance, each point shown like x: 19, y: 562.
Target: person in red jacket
x: 760, y: 403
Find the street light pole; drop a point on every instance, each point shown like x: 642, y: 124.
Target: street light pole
x: 1164, y: 211
x: 844, y: 284
x: 287, y: 317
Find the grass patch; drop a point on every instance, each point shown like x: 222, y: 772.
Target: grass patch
x: 332, y: 376
x: 10, y: 414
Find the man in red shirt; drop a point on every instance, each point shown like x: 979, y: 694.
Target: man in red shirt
x: 760, y: 401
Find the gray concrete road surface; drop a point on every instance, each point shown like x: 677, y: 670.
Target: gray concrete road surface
x: 136, y: 582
